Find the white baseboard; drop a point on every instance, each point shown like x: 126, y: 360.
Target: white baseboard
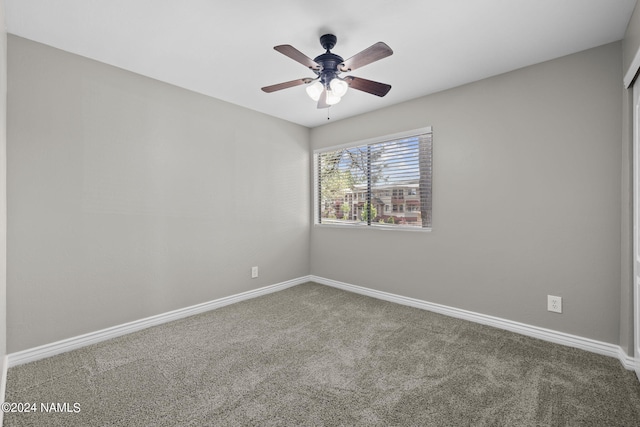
x: 627, y: 361
x: 48, y: 350
x: 73, y: 343
x: 562, y: 338
x: 3, y: 384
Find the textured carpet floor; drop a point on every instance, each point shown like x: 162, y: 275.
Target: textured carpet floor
x: 314, y: 355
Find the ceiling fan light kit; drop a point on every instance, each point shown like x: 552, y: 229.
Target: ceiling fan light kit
x: 338, y: 86
x: 314, y: 90
x: 328, y: 88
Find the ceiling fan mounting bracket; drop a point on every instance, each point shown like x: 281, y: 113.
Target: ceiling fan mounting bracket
x: 328, y: 41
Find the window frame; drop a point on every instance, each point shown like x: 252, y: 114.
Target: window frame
x: 374, y: 140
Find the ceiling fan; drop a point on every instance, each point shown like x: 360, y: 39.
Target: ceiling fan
x: 328, y: 88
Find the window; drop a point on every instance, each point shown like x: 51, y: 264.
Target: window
x: 361, y: 173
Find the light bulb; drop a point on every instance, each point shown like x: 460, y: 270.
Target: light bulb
x: 315, y: 90
x: 339, y: 87
x: 332, y: 98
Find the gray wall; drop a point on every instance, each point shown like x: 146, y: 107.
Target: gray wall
x: 128, y: 197
x: 3, y: 188
x: 631, y: 41
x: 526, y: 198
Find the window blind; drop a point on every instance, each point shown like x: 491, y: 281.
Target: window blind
x: 383, y: 183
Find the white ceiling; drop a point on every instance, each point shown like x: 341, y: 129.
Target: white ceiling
x: 224, y: 49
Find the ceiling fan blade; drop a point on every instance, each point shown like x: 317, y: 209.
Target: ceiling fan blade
x: 297, y: 56
x: 369, y: 86
x: 371, y: 54
x: 286, y: 85
x: 322, y: 102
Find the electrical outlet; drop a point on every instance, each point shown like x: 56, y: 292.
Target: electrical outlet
x: 254, y: 272
x: 554, y: 304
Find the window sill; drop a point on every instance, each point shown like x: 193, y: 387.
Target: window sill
x: 375, y: 227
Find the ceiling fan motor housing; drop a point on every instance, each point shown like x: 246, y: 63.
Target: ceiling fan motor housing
x: 328, y: 66
x: 328, y: 61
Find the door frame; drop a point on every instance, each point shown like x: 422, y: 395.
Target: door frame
x: 636, y: 228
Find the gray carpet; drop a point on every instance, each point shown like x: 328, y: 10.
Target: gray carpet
x: 313, y: 355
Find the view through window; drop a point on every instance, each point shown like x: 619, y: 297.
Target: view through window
x: 383, y: 183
